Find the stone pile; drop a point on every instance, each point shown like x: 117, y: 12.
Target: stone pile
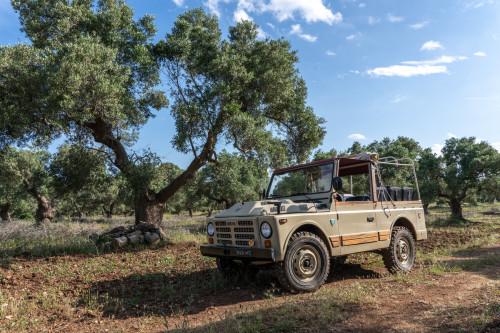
x: 135, y: 234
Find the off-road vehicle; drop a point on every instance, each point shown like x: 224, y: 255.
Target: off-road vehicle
x: 316, y: 214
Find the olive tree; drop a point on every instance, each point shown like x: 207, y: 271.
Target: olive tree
x: 91, y: 72
x: 464, y: 166
x: 31, y: 168
x: 233, y: 179
x: 80, y: 176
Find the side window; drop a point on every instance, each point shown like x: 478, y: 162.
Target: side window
x: 356, y: 183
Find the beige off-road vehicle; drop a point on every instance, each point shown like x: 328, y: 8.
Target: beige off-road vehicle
x: 316, y: 214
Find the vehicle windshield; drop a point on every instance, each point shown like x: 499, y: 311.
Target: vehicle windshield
x: 313, y: 179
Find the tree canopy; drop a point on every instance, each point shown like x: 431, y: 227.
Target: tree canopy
x: 464, y: 166
x: 91, y: 73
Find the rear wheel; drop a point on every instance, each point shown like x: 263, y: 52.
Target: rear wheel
x: 306, y: 263
x: 400, y: 256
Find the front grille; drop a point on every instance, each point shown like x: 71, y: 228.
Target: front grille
x: 231, y: 232
x: 244, y: 236
x: 245, y: 222
x: 243, y: 229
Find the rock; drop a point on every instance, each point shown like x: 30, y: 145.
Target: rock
x: 152, y: 238
x: 135, y: 238
x: 119, y: 242
x: 117, y: 230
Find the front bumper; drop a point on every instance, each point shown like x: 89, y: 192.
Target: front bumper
x: 248, y: 254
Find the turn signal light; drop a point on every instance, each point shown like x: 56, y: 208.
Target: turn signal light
x: 267, y: 243
x: 283, y: 221
x: 211, y: 240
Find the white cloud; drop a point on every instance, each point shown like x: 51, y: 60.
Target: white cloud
x: 394, y: 19
x: 440, y: 60
x: 451, y: 135
x: 362, y: 5
x: 474, y: 4
x: 419, y: 25
x: 398, y: 99
x: 213, y: 6
x: 480, y: 54
x: 271, y: 25
x: 431, y: 45
x: 373, y: 20
x: 436, y: 149
x: 496, y: 145
x: 407, y: 71
x: 297, y: 30
x: 330, y: 53
x: 311, y: 11
x: 178, y: 2
x: 353, y: 36
x: 357, y: 136
x: 261, y: 33
x: 241, y: 15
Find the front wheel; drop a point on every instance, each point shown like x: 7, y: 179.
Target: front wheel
x: 400, y: 256
x: 306, y: 264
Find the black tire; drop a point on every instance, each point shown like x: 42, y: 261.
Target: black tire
x: 400, y: 255
x: 227, y: 268
x: 306, y: 264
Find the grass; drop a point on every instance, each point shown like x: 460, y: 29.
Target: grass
x: 166, y: 284
x: 309, y: 312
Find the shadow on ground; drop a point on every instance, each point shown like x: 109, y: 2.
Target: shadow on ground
x: 182, y: 294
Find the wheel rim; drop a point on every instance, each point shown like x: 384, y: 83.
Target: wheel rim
x: 306, y: 263
x: 403, y: 251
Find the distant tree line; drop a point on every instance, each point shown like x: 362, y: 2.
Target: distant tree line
x: 78, y: 182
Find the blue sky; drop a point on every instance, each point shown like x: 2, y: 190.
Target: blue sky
x: 429, y: 70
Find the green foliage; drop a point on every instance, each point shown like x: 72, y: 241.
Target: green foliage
x: 26, y: 216
x: 232, y: 179
x: 244, y: 90
x: 428, y: 176
x: 321, y: 155
x: 80, y: 176
x: 464, y: 167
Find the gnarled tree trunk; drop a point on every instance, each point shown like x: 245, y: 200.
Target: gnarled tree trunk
x: 46, y: 210
x: 109, y: 211
x: 426, y: 208
x: 456, y: 208
x: 149, y: 209
x: 4, y: 212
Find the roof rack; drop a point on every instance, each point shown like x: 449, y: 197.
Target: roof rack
x: 391, y: 160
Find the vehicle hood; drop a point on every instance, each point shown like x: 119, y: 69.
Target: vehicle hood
x: 267, y: 207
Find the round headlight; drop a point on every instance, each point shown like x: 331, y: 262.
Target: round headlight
x: 210, y: 229
x: 266, y: 230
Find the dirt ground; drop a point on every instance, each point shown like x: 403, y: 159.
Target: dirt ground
x: 174, y: 288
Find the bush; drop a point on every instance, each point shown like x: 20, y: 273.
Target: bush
x: 26, y: 216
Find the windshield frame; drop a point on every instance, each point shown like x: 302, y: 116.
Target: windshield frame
x: 334, y: 172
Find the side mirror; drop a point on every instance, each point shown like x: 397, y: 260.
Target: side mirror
x: 337, y: 183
